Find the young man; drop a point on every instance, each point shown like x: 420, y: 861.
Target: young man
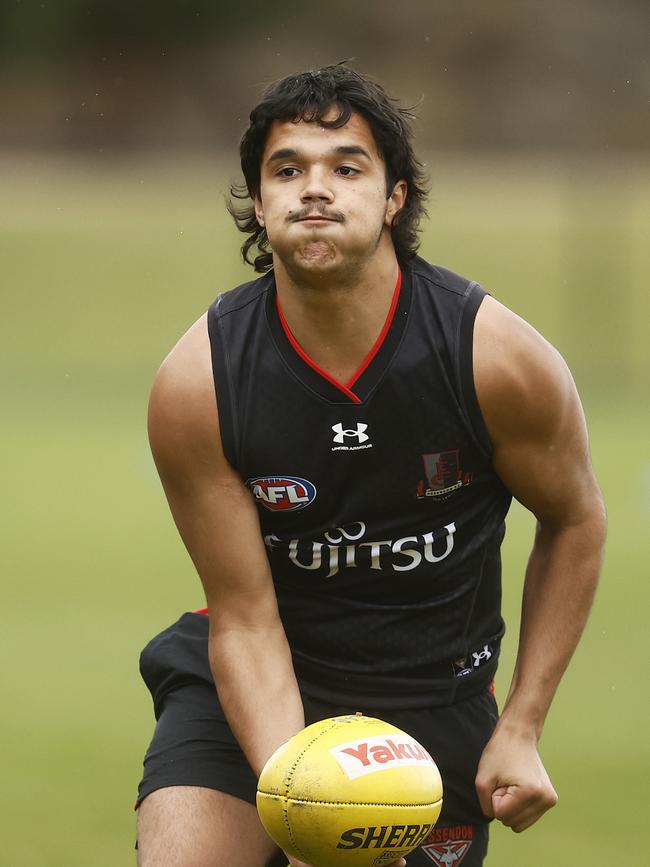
x: 343, y: 498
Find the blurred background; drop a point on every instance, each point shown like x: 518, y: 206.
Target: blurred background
x: 119, y: 126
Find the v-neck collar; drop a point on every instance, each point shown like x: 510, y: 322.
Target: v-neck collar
x: 359, y: 387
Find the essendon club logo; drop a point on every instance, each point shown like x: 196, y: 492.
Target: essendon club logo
x: 443, y: 474
x: 282, y: 493
x: 379, y: 753
x: 447, y: 847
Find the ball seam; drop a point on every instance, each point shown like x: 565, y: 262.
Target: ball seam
x: 289, y: 778
x: 362, y: 803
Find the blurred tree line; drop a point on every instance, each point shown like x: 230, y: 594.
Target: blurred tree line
x: 498, y: 74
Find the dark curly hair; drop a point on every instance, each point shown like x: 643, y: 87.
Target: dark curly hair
x: 309, y: 96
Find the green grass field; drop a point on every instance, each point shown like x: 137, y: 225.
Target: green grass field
x: 104, y: 263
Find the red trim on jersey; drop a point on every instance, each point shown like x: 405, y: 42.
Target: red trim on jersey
x: 346, y: 388
x: 201, y: 611
x: 382, y: 334
x: 301, y: 352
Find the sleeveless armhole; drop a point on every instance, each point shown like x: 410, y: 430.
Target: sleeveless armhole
x: 223, y: 386
x: 465, y: 367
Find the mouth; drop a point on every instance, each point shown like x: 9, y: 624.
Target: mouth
x: 317, y: 219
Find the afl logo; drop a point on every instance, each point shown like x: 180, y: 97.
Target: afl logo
x: 282, y: 493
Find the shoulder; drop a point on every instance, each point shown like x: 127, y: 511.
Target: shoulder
x: 523, y: 384
x: 242, y: 297
x: 437, y: 277
x: 184, y: 390
x: 186, y: 371
x: 182, y: 405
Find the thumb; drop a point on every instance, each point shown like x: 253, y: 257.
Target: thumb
x: 500, y: 799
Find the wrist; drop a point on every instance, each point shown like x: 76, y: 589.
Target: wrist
x: 522, y: 721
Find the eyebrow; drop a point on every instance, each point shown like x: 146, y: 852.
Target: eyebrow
x: 292, y: 153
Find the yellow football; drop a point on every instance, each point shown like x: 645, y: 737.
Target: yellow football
x: 350, y: 791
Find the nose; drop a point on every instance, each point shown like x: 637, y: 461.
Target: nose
x: 316, y: 188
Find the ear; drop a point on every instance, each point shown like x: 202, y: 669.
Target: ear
x: 259, y: 209
x: 395, y: 202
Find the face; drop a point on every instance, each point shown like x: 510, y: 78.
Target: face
x: 323, y: 197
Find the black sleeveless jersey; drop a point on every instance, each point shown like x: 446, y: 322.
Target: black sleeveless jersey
x: 381, y: 513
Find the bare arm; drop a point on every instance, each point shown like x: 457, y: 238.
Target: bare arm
x: 217, y: 520
x: 536, y: 424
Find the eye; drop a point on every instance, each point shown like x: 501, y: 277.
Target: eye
x: 347, y: 171
x: 288, y: 172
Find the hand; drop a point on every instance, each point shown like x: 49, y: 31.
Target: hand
x: 293, y: 862
x: 512, y: 783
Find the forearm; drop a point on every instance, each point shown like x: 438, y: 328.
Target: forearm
x: 560, y: 584
x: 253, y: 673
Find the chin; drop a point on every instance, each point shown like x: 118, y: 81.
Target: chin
x: 316, y: 252
x: 316, y: 257
x: 319, y: 258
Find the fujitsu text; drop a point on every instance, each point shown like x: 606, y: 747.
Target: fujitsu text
x: 342, y: 548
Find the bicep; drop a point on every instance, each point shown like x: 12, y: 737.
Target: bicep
x: 548, y: 469
x: 535, y: 420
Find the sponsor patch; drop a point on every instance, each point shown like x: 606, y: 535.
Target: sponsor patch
x: 350, y: 439
x: 282, y: 493
x: 379, y: 753
x: 339, y: 548
x: 465, y: 665
x: 443, y: 475
x: 447, y: 847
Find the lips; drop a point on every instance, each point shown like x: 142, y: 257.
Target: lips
x: 305, y: 216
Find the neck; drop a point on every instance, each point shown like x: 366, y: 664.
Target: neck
x: 337, y: 318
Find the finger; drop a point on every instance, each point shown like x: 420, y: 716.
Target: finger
x: 507, y: 804
x: 503, y: 800
x: 539, y: 800
x: 532, y: 814
x: 519, y: 808
x: 524, y: 820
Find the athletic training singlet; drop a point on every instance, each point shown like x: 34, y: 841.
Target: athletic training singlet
x: 380, y: 510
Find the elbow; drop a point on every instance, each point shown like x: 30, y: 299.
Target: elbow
x: 583, y: 526
x: 599, y: 518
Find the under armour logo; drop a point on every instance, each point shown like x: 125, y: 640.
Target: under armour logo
x: 342, y: 433
x: 481, y: 656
